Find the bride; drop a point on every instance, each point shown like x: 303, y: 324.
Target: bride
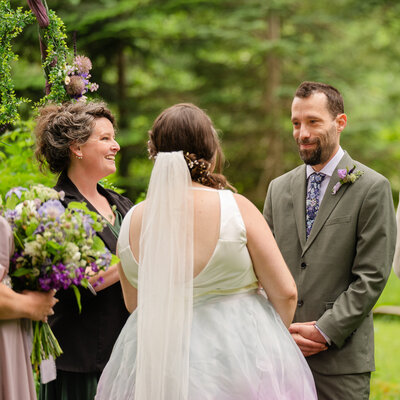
x: 192, y: 258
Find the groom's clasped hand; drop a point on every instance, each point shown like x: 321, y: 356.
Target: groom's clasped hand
x: 308, y: 338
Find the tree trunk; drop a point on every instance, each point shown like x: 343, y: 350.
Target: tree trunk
x: 123, y: 122
x: 273, y: 165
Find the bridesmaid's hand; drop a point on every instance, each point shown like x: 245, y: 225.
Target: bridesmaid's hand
x: 38, y: 305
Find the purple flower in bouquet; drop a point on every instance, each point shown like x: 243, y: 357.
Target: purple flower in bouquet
x: 58, y: 278
x: 88, y: 225
x: 40, y: 229
x: 94, y: 267
x: 79, y: 275
x: 98, y: 282
x: 45, y: 283
x: 15, y: 257
x: 105, y: 258
x: 51, y: 209
x: 17, y: 191
x: 11, y: 216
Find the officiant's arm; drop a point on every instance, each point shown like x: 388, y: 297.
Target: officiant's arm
x: 376, y: 238
x: 109, y: 277
x: 269, y: 265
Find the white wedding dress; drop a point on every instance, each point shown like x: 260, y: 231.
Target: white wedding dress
x: 239, y: 347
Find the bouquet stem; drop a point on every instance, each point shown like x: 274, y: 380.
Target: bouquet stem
x: 44, y: 344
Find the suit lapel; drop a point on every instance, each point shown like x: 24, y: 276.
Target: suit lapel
x: 329, y: 201
x: 298, y: 191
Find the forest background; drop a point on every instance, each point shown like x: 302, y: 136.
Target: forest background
x: 241, y: 61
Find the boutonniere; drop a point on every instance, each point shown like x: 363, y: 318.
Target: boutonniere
x: 346, y: 176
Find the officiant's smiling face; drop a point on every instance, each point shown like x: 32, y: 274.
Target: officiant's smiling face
x: 99, y: 151
x: 315, y: 129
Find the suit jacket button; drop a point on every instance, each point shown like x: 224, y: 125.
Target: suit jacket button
x: 300, y: 303
x: 303, y: 265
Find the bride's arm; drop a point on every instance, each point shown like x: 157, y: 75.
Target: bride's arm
x: 269, y: 265
x: 129, y: 292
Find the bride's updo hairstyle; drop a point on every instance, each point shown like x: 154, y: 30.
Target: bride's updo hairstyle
x: 59, y: 126
x: 186, y: 127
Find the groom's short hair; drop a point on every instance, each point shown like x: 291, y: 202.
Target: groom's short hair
x: 333, y: 96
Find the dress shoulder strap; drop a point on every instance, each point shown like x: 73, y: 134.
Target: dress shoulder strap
x: 123, y: 238
x: 232, y: 224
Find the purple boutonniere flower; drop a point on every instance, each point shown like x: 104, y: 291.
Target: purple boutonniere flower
x: 342, y: 173
x: 346, y: 176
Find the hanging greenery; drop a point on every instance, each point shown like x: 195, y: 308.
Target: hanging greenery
x: 64, y: 81
x: 55, y: 62
x: 11, y: 24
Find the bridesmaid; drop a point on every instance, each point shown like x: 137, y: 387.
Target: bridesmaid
x: 16, y: 379
x: 77, y: 142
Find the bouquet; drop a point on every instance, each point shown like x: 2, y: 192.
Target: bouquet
x: 55, y: 248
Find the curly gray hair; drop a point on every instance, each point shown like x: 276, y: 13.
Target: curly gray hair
x: 59, y: 126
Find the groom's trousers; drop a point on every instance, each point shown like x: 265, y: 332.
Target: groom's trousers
x: 342, y: 387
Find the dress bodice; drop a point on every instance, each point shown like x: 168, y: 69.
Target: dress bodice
x: 228, y: 271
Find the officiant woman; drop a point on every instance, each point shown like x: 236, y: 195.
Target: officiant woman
x: 77, y: 142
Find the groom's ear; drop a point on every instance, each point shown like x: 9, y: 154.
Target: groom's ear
x: 341, y: 122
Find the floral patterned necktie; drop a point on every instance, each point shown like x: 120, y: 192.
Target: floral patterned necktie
x: 312, y: 200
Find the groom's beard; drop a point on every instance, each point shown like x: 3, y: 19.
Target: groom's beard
x: 311, y: 157
x: 325, y: 146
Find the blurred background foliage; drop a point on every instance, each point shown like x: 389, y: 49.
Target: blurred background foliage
x: 239, y: 60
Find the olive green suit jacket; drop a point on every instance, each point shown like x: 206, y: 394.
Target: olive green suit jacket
x: 342, y: 268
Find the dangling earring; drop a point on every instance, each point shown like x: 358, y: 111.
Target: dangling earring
x: 78, y: 157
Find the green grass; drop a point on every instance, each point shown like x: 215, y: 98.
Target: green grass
x: 385, y: 383
x: 391, y: 293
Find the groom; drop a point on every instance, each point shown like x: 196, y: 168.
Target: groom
x: 334, y: 222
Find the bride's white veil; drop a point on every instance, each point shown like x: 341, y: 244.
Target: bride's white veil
x: 165, y: 286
